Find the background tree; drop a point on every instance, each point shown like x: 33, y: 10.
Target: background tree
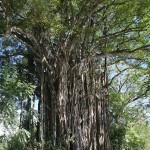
x: 69, y: 45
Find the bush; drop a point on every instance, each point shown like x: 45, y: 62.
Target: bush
x: 19, y: 140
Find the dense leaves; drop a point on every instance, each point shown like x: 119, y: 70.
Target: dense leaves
x: 83, y: 64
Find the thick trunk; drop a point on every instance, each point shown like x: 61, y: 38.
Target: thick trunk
x: 73, y: 106
x: 76, y: 110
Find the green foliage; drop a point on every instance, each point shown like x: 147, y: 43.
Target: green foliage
x: 126, y: 112
x: 16, y: 141
x: 19, y: 140
x: 133, y: 140
x: 146, y: 136
x: 80, y: 26
x: 1, y: 147
x: 125, y: 131
x: 118, y: 120
x: 12, y: 90
x: 12, y: 86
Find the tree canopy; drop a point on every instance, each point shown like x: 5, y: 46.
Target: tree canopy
x: 76, y: 71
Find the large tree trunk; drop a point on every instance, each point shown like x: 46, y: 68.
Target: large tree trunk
x: 76, y: 108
